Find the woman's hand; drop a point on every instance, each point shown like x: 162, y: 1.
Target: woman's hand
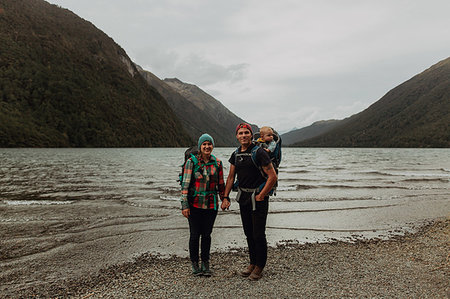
x: 225, y: 204
x: 186, y: 212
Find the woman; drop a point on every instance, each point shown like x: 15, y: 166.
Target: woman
x: 202, y: 182
x: 248, y: 162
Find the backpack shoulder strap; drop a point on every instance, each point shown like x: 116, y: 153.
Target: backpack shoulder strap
x: 236, y: 152
x: 194, y: 158
x: 253, y: 152
x: 195, y: 162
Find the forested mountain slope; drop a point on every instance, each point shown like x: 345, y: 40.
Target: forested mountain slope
x: 317, y: 128
x: 221, y: 118
x: 198, y: 111
x: 64, y: 83
x: 413, y: 114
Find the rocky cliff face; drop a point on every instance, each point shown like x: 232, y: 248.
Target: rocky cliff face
x: 208, y: 104
x: 199, y: 112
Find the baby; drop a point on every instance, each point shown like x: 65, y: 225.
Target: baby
x: 266, y: 139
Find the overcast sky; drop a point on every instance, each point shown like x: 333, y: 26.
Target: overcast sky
x: 283, y: 63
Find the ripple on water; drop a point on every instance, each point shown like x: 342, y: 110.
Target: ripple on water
x: 35, y: 202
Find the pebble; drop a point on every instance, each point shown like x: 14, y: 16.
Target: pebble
x: 410, y: 266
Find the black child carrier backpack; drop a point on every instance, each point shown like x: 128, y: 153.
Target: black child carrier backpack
x: 275, y: 157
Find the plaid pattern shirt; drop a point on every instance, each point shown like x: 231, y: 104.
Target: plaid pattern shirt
x: 207, y: 184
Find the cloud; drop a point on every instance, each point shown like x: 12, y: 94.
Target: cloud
x: 191, y: 68
x: 206, y: 73
x: 284, y: 63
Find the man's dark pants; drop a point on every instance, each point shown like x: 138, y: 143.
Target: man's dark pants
x: 254, y: 224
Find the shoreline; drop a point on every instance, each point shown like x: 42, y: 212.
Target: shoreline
x: 412, y: 265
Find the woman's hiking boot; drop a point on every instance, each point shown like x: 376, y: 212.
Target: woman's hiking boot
x: 196, y: 271
x: 256, y: 273
x: 205, y: 269
x: 248, y: 271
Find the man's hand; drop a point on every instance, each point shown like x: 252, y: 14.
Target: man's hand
x: 259, y: 197
x: 225, y: 204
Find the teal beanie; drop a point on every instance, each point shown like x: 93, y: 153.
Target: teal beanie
x: 203, y: 138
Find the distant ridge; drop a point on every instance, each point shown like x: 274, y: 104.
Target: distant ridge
x: 211, y: 115
x: 195, y: 120
x: 414, y: 114
x: 317, y: 128
x: 64, y: 83
x: 199, y: 112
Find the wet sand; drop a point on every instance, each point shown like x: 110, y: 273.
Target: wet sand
x: 410, y: 266
x: 113, y: 249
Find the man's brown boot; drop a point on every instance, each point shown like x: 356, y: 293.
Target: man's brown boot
x: 256, y: 273
x: 248, y: 271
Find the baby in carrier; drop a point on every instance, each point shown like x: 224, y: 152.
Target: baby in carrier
x: 266, y: 140
x: 270, y: 141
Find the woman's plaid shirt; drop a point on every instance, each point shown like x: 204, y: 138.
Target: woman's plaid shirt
x: 207, y: 180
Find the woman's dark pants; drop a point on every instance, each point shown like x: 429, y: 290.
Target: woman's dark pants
x: 201, y: 222
x: 254, y: 224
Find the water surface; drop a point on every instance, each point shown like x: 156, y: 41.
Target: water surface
x: 135, y: 175
x: 70, y: 212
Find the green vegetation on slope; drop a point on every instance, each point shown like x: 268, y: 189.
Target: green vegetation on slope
x: 64, y: 83
x: 195, y: 120
x: 317, y: 128
x: 414, y: 114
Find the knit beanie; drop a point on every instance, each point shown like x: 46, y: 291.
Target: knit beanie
x: 203, y: 138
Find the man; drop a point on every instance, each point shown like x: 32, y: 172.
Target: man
x: 256, y: 178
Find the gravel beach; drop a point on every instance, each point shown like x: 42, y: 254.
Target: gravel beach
x: 415, y: 265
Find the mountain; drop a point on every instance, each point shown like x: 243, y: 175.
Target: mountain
x: 64, y: 83
x: 198, y: 111
x: 223, y: 119
x: 194, y: 120
x: 317, y: 128
x: 413, y: 114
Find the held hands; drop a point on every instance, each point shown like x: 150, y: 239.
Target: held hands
x: 225, y: 204
x: 186, y: 213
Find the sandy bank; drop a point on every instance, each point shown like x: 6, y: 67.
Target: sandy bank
x: 411, y: 266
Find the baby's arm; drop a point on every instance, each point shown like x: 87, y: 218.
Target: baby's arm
x: 271, y: 146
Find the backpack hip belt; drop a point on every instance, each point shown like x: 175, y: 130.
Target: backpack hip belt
x: 248, y: 190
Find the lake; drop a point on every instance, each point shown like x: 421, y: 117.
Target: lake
x: 146, y: 176
x: 64, y: 210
